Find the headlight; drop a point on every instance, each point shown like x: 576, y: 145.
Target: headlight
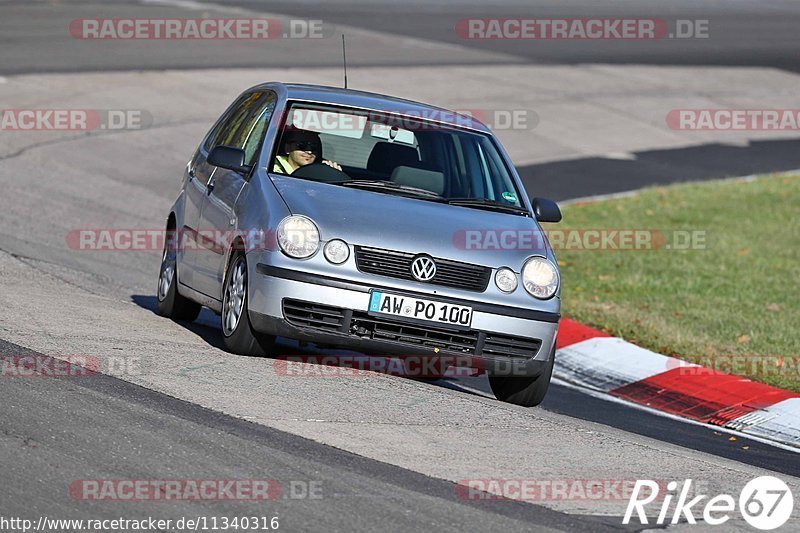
x: 505, y: 279
x: 298, y: 236
x: 336, y: 251
x: 540, y: 278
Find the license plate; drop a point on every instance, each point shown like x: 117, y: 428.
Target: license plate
x: 420, y: 309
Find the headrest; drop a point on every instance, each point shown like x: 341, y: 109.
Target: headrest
x: 386, y: 156
x: 417, y: 177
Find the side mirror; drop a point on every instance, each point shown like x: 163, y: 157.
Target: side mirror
x: 546, y: 210
x: 229, y: 158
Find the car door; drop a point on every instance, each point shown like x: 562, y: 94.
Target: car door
x: 198, y: 175
x: 247, y: 129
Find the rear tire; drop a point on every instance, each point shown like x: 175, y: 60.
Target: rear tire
x: 237, y: 331
x: 170, y: 303
x: 524, y: 391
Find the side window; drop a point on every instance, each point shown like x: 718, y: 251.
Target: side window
x: 222, y: 125
x: 235, y: 133
x: 244, y: 125
x: 258, y: 127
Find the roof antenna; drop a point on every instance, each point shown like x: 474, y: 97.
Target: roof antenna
x: 344, y: 59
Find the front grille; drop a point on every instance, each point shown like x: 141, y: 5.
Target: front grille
x: 360, y: 324
x: 309, y: 315
x: 495, y: 344
x: 398, y: 265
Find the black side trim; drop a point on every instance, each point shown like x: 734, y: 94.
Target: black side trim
x: 316, y: 279
x: 327, y: 281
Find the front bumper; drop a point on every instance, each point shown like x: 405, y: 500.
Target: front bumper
x: 505, y: 340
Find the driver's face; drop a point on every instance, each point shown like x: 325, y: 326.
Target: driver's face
x: 301, y: 153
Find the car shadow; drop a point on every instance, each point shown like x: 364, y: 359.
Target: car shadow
x: 206, y: 326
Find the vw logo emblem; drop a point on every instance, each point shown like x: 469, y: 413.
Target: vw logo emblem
x: 423, y: 268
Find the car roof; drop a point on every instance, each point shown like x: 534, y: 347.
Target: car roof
x: 374, y: 101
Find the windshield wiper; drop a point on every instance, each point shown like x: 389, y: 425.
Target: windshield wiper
x: 490, y: 205
x: 477, y: 203
x: 390, y: 186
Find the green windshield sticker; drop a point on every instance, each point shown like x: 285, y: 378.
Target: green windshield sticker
x: 510, y: 196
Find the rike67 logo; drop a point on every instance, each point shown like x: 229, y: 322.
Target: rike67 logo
x: 765, y: 503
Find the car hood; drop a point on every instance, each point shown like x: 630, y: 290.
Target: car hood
x: 381, y: 220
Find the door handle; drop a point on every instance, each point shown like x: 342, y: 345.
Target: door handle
x: 210, y: 186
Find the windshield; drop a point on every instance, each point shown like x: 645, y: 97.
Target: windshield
x: 393, y: 154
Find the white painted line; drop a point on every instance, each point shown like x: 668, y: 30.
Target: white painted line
x: 621, y: 156
x: 194, y: 5
x: 185, y: 4
x: 600, y: 197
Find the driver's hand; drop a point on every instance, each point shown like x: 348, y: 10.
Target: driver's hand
x: 333, y: 164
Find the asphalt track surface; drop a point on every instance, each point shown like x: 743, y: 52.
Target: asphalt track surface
x: 54, y: 431
x: 139, y: 430
x: 740, y: 34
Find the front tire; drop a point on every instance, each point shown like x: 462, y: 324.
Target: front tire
x: 524, y: 391
x: 237, y: 331
x: 170, y: 303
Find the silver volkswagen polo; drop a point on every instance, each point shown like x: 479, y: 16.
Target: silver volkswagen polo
x: 356, y: 220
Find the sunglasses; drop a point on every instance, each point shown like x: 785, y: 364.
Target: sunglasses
x: 305, y: 146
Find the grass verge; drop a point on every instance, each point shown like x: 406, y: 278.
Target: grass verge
x: 729, y: 299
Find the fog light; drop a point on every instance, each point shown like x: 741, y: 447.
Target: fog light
x: 336, y: 251
x: 505, y: 279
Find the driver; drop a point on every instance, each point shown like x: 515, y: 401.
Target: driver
x: 300, y: 148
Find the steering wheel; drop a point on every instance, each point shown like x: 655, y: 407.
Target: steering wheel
x: 320, y: 172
